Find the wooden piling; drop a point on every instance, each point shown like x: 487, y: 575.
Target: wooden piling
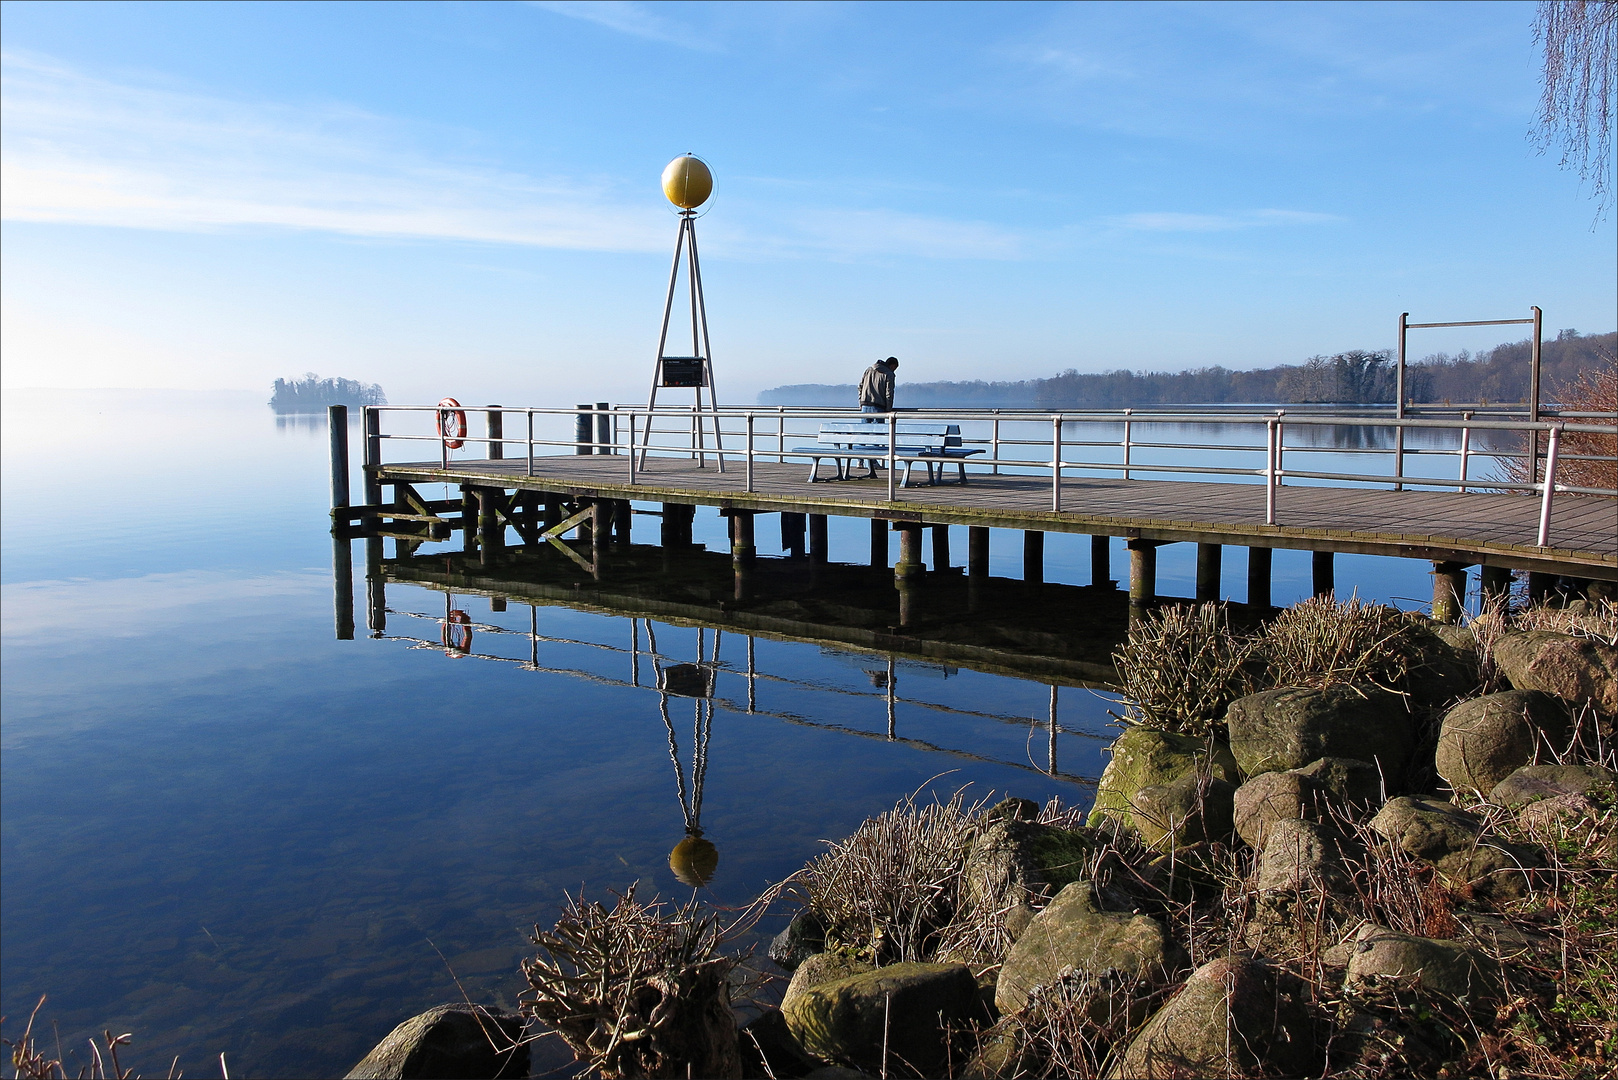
x: 977, y: 551
x: 940, y: 549
x: 497, y: 431
x: 742, y: 546
x: 1209, y: 560
x: 793, y: 527
x: 603, y: 428
x: 469, y: 519
x: 1495, y: 581
x: 819, y: 548
x: 1142, y: 572
x: 1101, y: 560
x: 337, y: 426
x: 879, y: 544
x: 1324, y: 572
x: 342, y: 567
x: 910, y: 562
x: 1259, y: 560
x: 1540, y: 586
x: 376, y: 597
x: 583, y: 432
x: 491, y: 533
x: 1033, y: 557
x: 1449, y: 591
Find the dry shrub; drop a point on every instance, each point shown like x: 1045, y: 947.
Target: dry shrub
x: 1585, y: 459
x: 1071, y: 1026
x: 1595, y: 619
x: 1322, y: 641
x: 887, y: 890
x: 1182, y: 666
x: 637, y: 990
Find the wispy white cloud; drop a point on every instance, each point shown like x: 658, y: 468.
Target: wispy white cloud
x: 628, y: 18
x: 85, y: 151
x: 1169, y: 221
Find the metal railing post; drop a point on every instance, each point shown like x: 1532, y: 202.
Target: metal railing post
x: 893, y: 456
x: 530, y: 442
x: 749, y: 449
x: 632, y: 445
x: 1551, y: 449
x: 1056, y: 464
x: 994, y: 445
x: 1466, y: 449
x: 1127, y: 437
x: 1269, y: 472
x: 1280, y: 448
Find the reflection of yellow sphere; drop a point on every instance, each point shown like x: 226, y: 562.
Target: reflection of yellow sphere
x: 693, y: 861
x: 687, y: 182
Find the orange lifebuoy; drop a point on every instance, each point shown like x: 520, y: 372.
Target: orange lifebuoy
x: 452, y: 423
x: 457, y: 633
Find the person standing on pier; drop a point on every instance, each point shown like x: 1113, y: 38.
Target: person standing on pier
x: 876, y: 386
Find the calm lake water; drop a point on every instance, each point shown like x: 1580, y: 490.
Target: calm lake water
x: 225, y: 830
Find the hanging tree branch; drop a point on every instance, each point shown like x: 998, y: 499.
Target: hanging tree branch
x: 1577, y: 104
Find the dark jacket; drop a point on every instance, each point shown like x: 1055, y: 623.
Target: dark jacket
x: 876, y: 387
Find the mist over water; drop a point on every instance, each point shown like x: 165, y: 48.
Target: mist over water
x: 224, y: 829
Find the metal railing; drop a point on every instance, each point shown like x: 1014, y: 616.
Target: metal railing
x: 1059, y: 445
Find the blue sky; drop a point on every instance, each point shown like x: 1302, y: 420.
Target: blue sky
x: 462, y: 198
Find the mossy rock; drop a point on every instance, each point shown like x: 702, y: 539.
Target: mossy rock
x: 1146, y: 757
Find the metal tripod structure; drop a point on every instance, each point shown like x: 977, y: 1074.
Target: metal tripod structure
x: 696, y: 370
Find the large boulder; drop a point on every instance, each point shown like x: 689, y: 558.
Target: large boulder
x: 1301, y: 855
x: 890, y: 1020
x: 803, y: 937
x: 819, y: 969
x: 1486, y: 739
x: 1073, y: 932
x: 1453, y: 841
x: 1533, y: 782
x: 1575, y: 669
x: 1446, y: 665
x: 1289, y: 728
x: 1233, y: 1017
x: 1442, y: 967
x: 1146, y: 757
x: 455, y: 1040
x: 1322, y: 790
x: 1013, y: 861
x: 1355, y: 786
x: 1190, y: 810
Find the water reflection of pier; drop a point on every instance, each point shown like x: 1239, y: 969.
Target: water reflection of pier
x: 714, y: 676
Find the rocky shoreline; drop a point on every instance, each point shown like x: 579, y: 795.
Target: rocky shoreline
x: 1394, y: 856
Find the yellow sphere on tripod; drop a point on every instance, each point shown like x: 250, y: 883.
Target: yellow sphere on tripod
x: 687, y: 182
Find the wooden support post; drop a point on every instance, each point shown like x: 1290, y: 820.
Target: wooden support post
x: 337, y: 426
x: 623, y: 519
x: 553, y: 511
x: 469, y: 518
x: 793, y: 528
x: 1209, y: 558
x: 600, y: 528
x: 491, y: 534
x: 977, y: 552
x: 677, y: 525
x: 908, y: 570
x: 1033, y: 557
x: 373, y: 461
x: 1142, y: 572
x: 376, y: 595
x: 879, y: 544
x: 1540, y: 586
x: 1449, y: 591
x: 819, y: 548
x: 1496, y: 582
x: 940, y: 549
x: 1101, y: 560
x: 497, y: 603
x: 742, y: 547
x: 1325, y: 575
x: 603, y: 428
x: 342, y: 582
x: 497, y: 431
x: 583, y: 431
x: 1258, y: 576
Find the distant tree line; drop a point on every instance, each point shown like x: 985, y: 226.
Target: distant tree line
x: 1356, y: 377
x: 312, y: 394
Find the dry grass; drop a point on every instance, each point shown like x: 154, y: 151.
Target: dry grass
x: 636, y: 990
x: 1182, y: 666
x: 1595, y: 619
x: 1322, y: 641
x: 28, y: 1062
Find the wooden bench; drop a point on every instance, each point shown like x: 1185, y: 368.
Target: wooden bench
x: 847, y: 441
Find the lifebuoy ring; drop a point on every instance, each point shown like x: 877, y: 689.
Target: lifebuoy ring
x: 452, y: 423
x: 457, y: 633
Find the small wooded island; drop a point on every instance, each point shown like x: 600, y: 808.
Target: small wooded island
x: 312, y: 394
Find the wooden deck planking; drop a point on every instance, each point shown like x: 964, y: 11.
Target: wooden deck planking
x: 1471, y: 526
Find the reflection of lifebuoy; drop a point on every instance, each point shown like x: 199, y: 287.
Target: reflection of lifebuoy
x: 457, y: 635
x: 452, y: 424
